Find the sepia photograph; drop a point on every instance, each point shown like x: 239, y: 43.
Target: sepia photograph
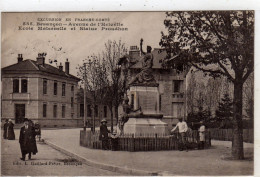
x: 127, y: 93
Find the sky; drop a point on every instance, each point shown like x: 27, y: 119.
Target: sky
x: 75, y: 45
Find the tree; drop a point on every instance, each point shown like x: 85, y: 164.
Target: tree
x: 191, y: 90
x: 115, y: 87
x: 219, y: 43
x: 249, y: 96
x: 94, y: 77
x: 225, y: 109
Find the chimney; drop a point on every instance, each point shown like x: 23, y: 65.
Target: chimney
x: 40, y: 59
x: 61, y: 67
x: 67, y: 67
x: 20, y: 58
x: 134, y: 52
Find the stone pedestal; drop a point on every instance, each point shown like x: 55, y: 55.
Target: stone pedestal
x: 143, y: 126
x: 149, y: 121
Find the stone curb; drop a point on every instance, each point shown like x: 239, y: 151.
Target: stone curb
x: 129, y: 171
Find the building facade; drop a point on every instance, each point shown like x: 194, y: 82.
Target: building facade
x: 40, y: 92
x: 99, y: 111
x: 172, y: 82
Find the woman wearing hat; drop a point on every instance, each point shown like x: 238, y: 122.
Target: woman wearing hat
x: 5, y: 128
x: 10, y: 130
x: 104, y: 134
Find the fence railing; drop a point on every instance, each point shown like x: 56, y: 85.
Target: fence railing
x: 227, y: 134
x: 144, y: 142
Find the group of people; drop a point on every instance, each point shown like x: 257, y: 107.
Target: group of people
x: 182, y: 128
x: 103, y: 136
x: 9, y: 130
x: 27, y: 139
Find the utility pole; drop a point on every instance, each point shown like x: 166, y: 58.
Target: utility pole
x: 85, y: 97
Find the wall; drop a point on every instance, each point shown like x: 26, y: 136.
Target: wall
x: 58, y: 99
x: 165, y: 79
x: 34, y: 99
x: 9, y: 99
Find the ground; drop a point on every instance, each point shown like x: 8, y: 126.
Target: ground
x: 209, y: 162
x: 11, y: 164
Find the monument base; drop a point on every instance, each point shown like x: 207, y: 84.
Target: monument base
x: 145, y: 126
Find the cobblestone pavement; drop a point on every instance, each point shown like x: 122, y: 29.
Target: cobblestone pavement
x: 45, y: 163
x: 209, y: 162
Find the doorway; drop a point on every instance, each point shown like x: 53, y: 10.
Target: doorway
x: 19, y: 113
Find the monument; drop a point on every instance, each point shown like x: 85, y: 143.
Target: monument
x: 144, y: 117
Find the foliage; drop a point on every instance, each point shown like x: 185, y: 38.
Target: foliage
x: 225, y: 109
x: 219, y: 43
x: 215, y: 38
x: 115, y: 86
x: 100, y: 75
x: 94, y: 77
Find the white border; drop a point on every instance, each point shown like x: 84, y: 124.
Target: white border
x: 153, y: 5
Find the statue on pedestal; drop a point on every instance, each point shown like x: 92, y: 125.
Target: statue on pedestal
x: 145, y: 76
x: 127, y: 109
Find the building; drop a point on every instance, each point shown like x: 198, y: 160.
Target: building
x: 41, y: 92
x: 99, y: 111
x: 172, y: 83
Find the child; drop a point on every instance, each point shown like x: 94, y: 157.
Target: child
x: 114, y: 140
x: 201, y: 135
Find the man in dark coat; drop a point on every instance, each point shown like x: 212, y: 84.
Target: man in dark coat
x: 26, y: 140
x: 104, y: 134
x: 10, y: 130
x: 33, y: 140
x: 5, y: 128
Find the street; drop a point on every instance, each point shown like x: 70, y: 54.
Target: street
x: 46, y: 162
x: 51, y: 162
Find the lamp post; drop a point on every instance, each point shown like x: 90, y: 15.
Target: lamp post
x: 85, y: 97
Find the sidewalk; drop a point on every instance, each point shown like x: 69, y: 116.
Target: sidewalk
x: 203, y: 163
x: 48, y: 162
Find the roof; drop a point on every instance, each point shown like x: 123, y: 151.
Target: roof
x: 158, y: 55
x: 31, y: 65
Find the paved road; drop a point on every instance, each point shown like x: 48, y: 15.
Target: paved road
x: 208, y: 162
x: 47, y: 162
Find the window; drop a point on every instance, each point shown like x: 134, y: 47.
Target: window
x: 55, y: 111
x: 72, y: 102
x: 63, y: 89
x: 72, y: 88
x: 176, y: 86
x: 81, y: 110
x: 55, y: 88
x: 132, y: 100
x: 105, y: 111
x: 89, y: 111
x: 96, y: 110
x: 44, y: 110
x: 24, y: 85
x: 16, y: 86
x: 44, y: 86
x: 63, y: 111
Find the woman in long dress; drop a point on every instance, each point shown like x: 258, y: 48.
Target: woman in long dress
x: 10, y: 130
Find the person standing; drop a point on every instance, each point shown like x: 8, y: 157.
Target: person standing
x: 201, y: 135
x: 5, y: 128
x: 114, y: 140
x: 33, y: 139
x: 25, y: 140
x: 104, y: 134
x: 182, y: 127
x: 10, y: 130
